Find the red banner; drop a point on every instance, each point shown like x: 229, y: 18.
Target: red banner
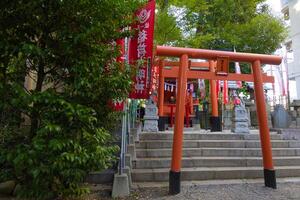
x: 225, y: 92
x: 140, y: 51
x: 218, y: 87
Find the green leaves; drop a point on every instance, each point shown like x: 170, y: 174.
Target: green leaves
x: 58, y: 71
x: 166, y: 29
x: 264, y: 30
x: 246, y: 25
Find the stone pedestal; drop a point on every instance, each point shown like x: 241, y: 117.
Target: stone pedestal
x: 227, y: 117
x: 120, y: 186
x: 248, y: 105
x: 298, y: 121
x: 295, y: 113
x: 280, y: 117
x: 269, y: 115
x: 215, y: 124
x: 253, y: 115
x: 240, y: 119
x: 151, y: 118
x: 162, y: 123
x: 127, y: 171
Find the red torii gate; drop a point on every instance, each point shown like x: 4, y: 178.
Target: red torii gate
x: 195, y: 69
x: 171, y: 72
x: 183, y: 72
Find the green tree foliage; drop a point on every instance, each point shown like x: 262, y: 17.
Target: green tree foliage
x: 166, y: 25
x: 246, y: 25
x: 166, y: 31
x: 68, y: 48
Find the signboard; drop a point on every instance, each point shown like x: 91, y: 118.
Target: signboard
x: 222, y: 66
x: 140, y: 51
x: 154, y: 78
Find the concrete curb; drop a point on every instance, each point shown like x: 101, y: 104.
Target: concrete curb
x: 120, y: 186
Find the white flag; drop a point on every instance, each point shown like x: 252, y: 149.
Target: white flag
x: 238, y: 71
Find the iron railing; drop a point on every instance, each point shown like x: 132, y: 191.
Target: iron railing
x: 128, y: 122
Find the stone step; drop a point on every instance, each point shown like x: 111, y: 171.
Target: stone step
x: 229, y: 152
x: 153, y: 163
x: 185, y: 129
x: 252, y: 131
x: 205, y: 136
x: 154, y: 144
x: 211, y: 173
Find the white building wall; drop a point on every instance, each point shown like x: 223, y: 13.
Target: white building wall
x: 292, y: 7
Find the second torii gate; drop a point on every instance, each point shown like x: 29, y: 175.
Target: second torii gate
x: 169, y: 69
x: 219, y: 59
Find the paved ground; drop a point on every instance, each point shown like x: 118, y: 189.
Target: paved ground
x: 200, y: 191
x: 240, y: 191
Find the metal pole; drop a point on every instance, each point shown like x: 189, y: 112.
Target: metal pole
x: 133, y: 112
x: 128, y: 117
x: 122, y: 154
x: 126, y: 131
x: 287, y: 81
x: 223, y: 110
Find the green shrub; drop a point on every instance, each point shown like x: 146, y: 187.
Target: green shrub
x: 68, y: 144
x: 55, y: 133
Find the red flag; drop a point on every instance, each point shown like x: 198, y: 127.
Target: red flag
x: 225, y: 92
x: 140, y: 51
x: 218, y: 87
x: 280, y: 82
x: 201, y: 86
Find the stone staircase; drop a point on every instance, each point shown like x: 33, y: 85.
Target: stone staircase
x: 212, y: 156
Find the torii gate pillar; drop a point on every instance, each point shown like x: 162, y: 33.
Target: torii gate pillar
x: 162, y: 120
x: 215, y: 121
x: 266, y: 147
x: 174, y: 176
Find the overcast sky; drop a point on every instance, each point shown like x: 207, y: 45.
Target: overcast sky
x: 275, y: 6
